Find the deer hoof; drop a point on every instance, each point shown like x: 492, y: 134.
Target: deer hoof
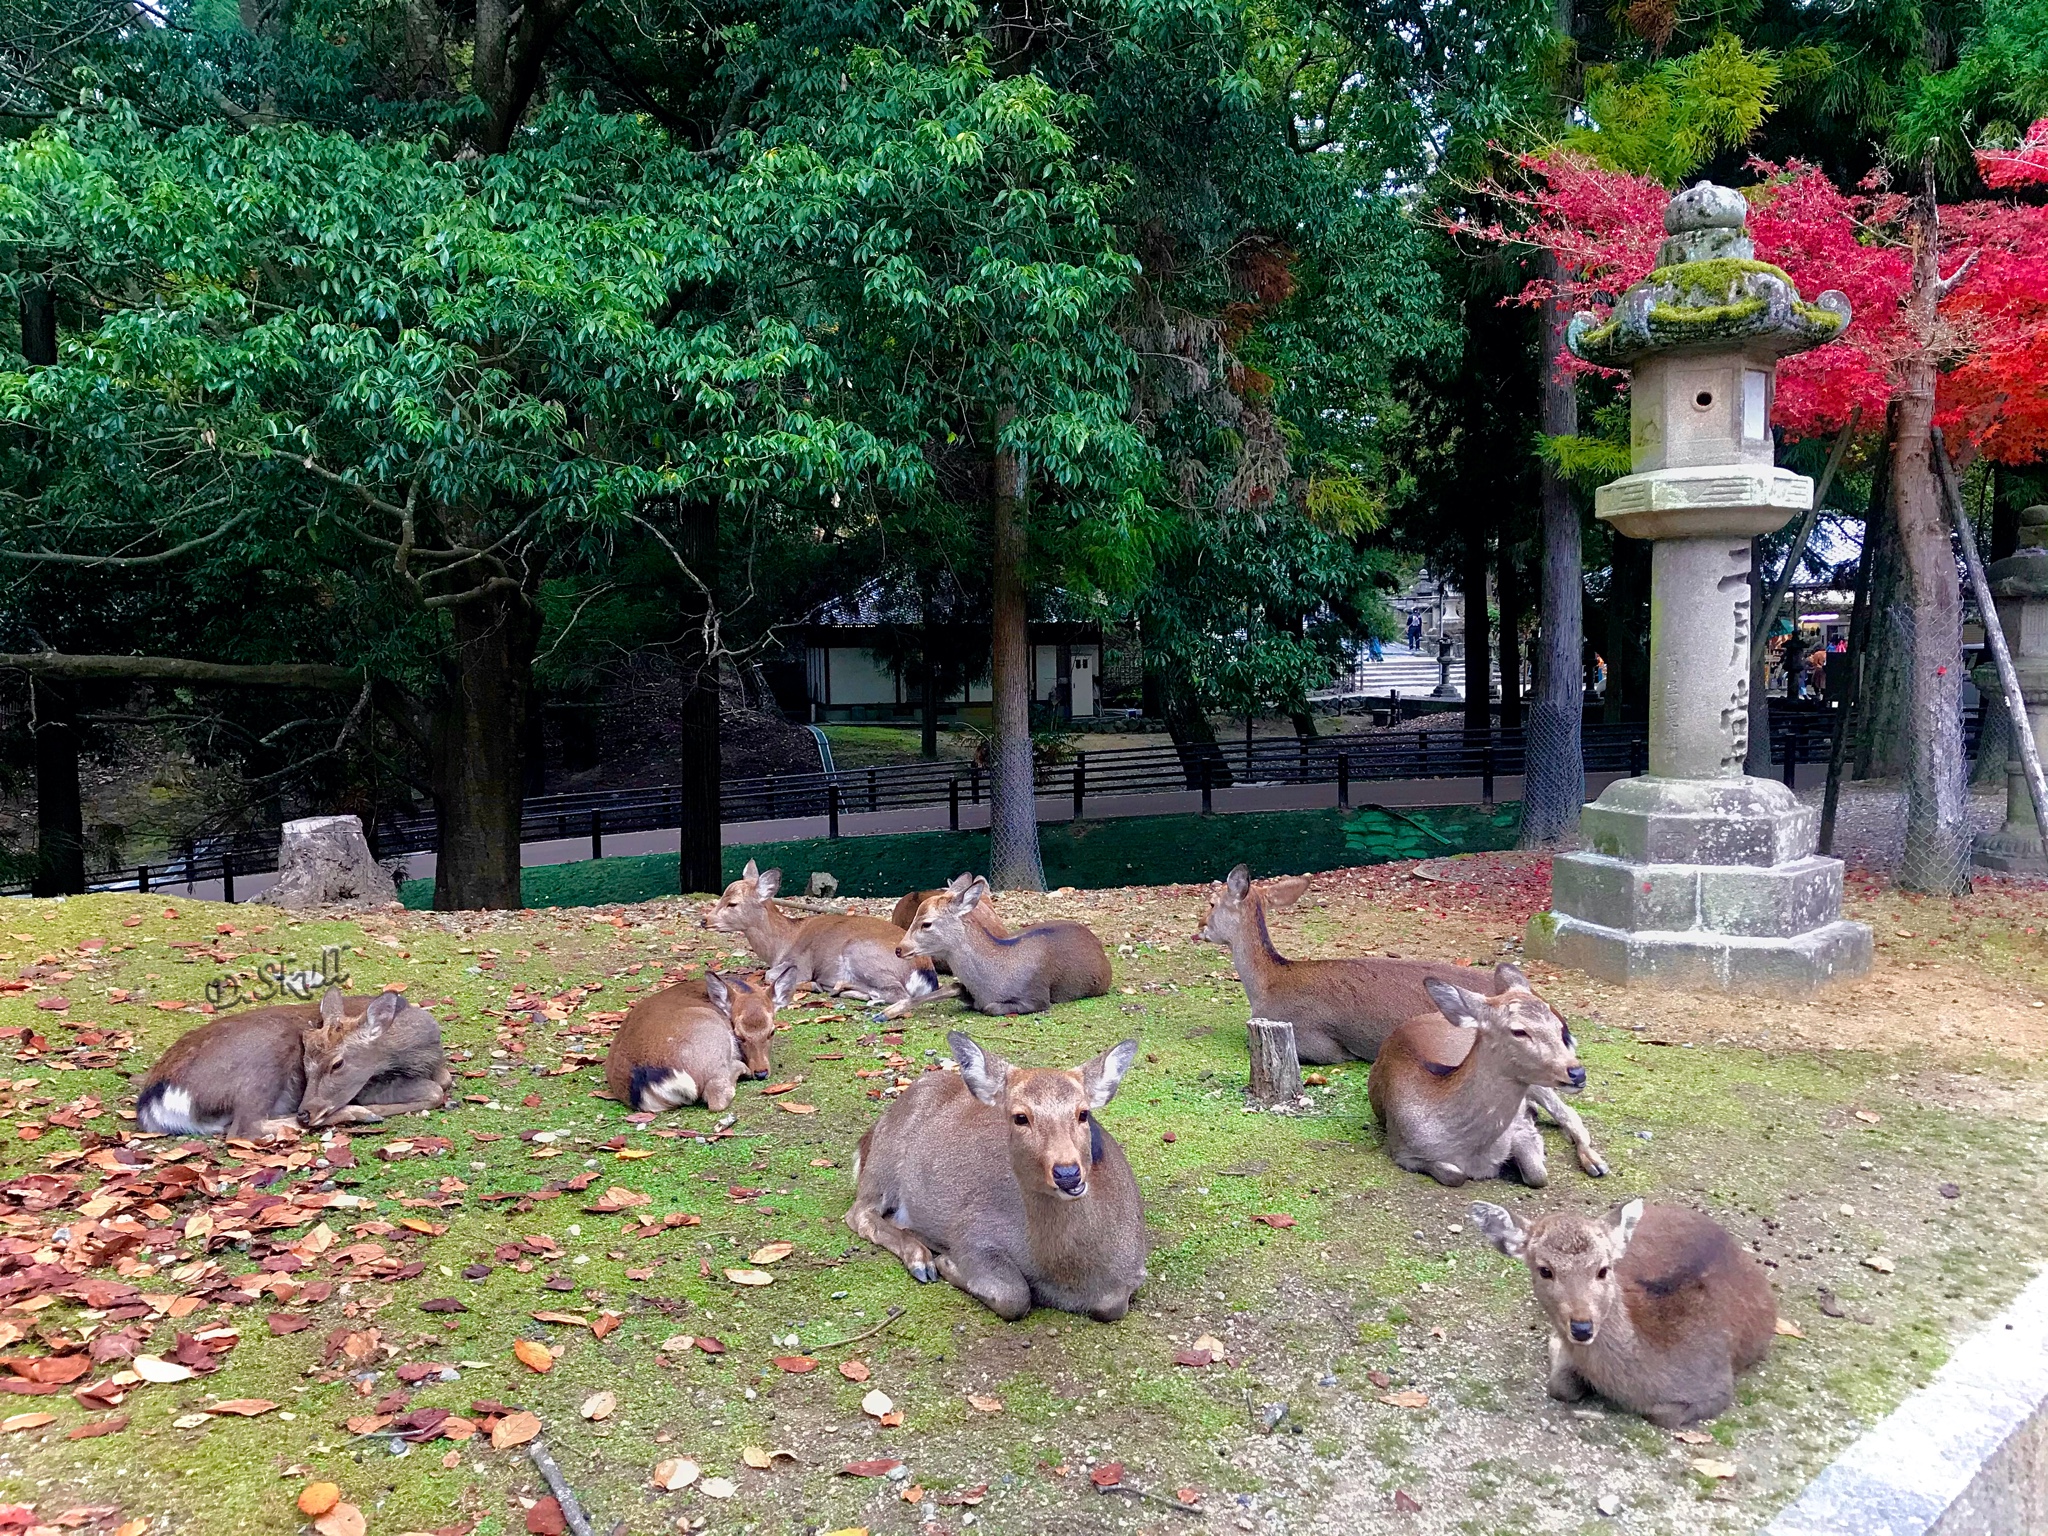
x: 923, y: 1271
x: 1593, y: 1165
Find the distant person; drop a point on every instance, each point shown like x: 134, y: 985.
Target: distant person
x: 1414, y: 632
x: 1372, y: 648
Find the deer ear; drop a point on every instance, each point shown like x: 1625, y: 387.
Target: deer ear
x: 984, y: 1075
x: 782, y: 983
x: 719, y: 993
x: 959, y: 883
x: 1101, y: 1076
x: 1239, y: 881
x: 1285, y: 893
x: 1509, y: 975
x: 1498, y: 1226
x: 971, y: 897
x: 767, y: 882
x: 333, y: 1006
x: 751, y: 872
x: 1623, y: 1221
x: 383, y: 1008
x: 1462, y: 1008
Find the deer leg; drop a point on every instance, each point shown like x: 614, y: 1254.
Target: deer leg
x: 991, y: 1280
x: 1447, y: 1174
x: 1525, y: 1151
x: 350, y: 1114
x: 867, y: 1221
x: 403, y: 1096
x: 1564, y: 1383
x: 1573, y: 1127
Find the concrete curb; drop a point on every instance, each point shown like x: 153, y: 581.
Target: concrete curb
x: 1966, y: 1455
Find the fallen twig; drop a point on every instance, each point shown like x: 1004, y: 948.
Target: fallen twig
x: 572, y: 1512
x: 1133, y: 1491
x: 894, y: 1313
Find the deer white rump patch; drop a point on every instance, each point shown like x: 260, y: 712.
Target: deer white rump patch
x: 669, y: 1089
x: 169, y: 1113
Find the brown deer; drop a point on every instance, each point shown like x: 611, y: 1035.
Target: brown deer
x: 691, y: 1043
x: 1024, y: 972
x: 242, y: 1074
x: 986, y: 915
x: 1341, y: 1010
x: 836, y: 952
x: 1656, y: 1307
x: 1456, y: 1091
x: 1001, y: 1180
x: 366, y: 1063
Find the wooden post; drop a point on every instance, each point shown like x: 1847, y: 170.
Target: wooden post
x: 1276, y: 1067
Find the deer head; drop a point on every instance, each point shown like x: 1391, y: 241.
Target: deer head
x: 1053, y: 1136
x: 749, y: 1008
x: 743, y: 898
x: 344, y: 1051
x: 1232, y: 903
x: 1572, y: 1261
x: 941, y: 920
x: 1527, y: 1036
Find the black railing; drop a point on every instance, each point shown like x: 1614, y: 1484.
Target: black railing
x: 1799, y: 735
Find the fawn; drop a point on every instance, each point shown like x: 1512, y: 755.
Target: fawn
x: 1456, y: 1091
x: 363, y: 1064
x: 691, y: 1043
x: 1024, y: 972
x: 1000, y: 1180
x: 905, y: 913
x: 1341, y: 1010
x: 1656, y: 1307
x: 837, y: 952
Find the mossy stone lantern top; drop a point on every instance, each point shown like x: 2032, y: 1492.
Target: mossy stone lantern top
x: 1702, y: 335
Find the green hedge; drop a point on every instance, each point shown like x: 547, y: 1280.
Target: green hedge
x: 1136, y: 850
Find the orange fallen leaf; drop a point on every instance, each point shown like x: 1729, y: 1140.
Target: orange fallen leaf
x: 749, y: 1277
x: 243, y: 1407
x: 771, y: 1253
x: 1108, y: 1475
x: 677, y: 1472
x: 795, y: 1365
x: 1274, y: 1219
x: 791, y: 1107
x: 599, y: 1406
x: 515, y: 1429
x: 1407, y: 1398
x: 1788, y: 1329
x: 534, y: 1355
x: 21, y: 1421
x: 342, y: 1520
x: 604, y: 1323
x: 983, y: 1404
x: 854, y: 1370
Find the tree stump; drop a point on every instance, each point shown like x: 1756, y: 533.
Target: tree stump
x: 1276, y: 1066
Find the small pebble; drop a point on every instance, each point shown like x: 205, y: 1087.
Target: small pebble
x: 1609, y: 1504
x: 1949, y: 1191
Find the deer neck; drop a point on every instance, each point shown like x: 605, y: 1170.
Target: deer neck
x: 769, y: 931
x: 1252, y: 951
x: 1063, y: 1235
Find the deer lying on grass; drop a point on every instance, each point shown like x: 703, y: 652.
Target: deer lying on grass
x: 691, y: 1042
x: 1000, y: 1180
x: 1341, y: 1010
x: 254, y: 1074
x: 836, y: 952
x: 364, y: 1064
x: 1656, y: 1308
x: 991, y: 921
x: 1024, y: 972
x: 1456, y: 1091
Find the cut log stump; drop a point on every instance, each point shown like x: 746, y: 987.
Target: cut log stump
x: 1276, y: 1065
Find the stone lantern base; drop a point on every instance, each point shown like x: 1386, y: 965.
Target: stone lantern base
x: 1707, y: 884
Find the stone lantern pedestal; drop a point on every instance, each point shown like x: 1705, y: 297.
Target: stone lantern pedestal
x: 2019, y: 586
x: 1696, y: 875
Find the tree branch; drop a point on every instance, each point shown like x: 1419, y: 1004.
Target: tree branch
x: 177, y: 669
x: 57, y: 557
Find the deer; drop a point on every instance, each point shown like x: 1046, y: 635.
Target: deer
x: 1001, y: 1180
x: 367, y: 1064
x: 691, y: 1043
x: 1656, y: 1308
x: 240, y: 1075
x: 1341, y: 1009
x: 986, y: 915
x: 1023, y: 972
x: 1456, y: 1091
x: 836, y: 952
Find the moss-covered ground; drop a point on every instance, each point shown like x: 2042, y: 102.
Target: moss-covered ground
x: 1374, y: 1355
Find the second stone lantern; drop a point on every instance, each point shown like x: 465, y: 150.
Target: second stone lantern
x: 1697, y: 875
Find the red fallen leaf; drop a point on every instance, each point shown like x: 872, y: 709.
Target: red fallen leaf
x: 1194, y: 1357
x: 710, y: 1346
x: 443, y: 1304
x: 531, y: 1101
x: 796, y: 1365
x: 284, y: 1322
x: 1406, y: 1502
x: 881, y: 1466
x: 1275, y: 1218
x: 53, y: 1004
x: 94, y: 1428
x: 604, y: 1323
x: 1108, y: 1475
x: 546, y: 1518
x: 48, y: 1369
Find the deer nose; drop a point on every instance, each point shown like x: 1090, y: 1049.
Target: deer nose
x: 1582, y: 1332
x: 1577, y: 1075
x: 1067, y: 1176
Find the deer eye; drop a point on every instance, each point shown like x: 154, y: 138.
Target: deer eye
x: 1544, y: 1271
x: 1083, y: 1117
x: 1601, y: 1273
x: 1519, y: 1034
x: 334, y: 1065
x: 1020, y: 1119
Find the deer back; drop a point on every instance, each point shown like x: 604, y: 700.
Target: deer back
x: 358, y: 1042
x: 1684, y: 1276
x: 233, y: 1071
x: 676, y: 1047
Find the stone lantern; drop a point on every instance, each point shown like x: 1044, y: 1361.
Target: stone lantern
x: 1697, y: 875
x: 2019, y: 586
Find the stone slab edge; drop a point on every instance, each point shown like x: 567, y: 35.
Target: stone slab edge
x: 1962, y: 1456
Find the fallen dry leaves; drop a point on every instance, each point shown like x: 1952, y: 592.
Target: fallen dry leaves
x: 514, y: 1429
x: 599, y: 1406
x: 854, y: 1370
x: 318, y: 1498
x: 342, y: 1520
x: 677, y: 1472
x: 534, y: 1355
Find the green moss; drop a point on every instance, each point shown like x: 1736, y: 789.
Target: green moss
x: 1721, y: 274
x: 1705, y: 319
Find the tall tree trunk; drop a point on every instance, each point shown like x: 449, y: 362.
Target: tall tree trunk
x: 1478, y: 634
x: 1013, y: 804
x: 1937, y: 853
x: 701, y: 865
x: 1194, y: 737
x: 1554, y: 780
x: 478, y: 733
x: 1509, y: 580
x: 60, y: 808
x: 1886, y: 653
x: 1758, y: 762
